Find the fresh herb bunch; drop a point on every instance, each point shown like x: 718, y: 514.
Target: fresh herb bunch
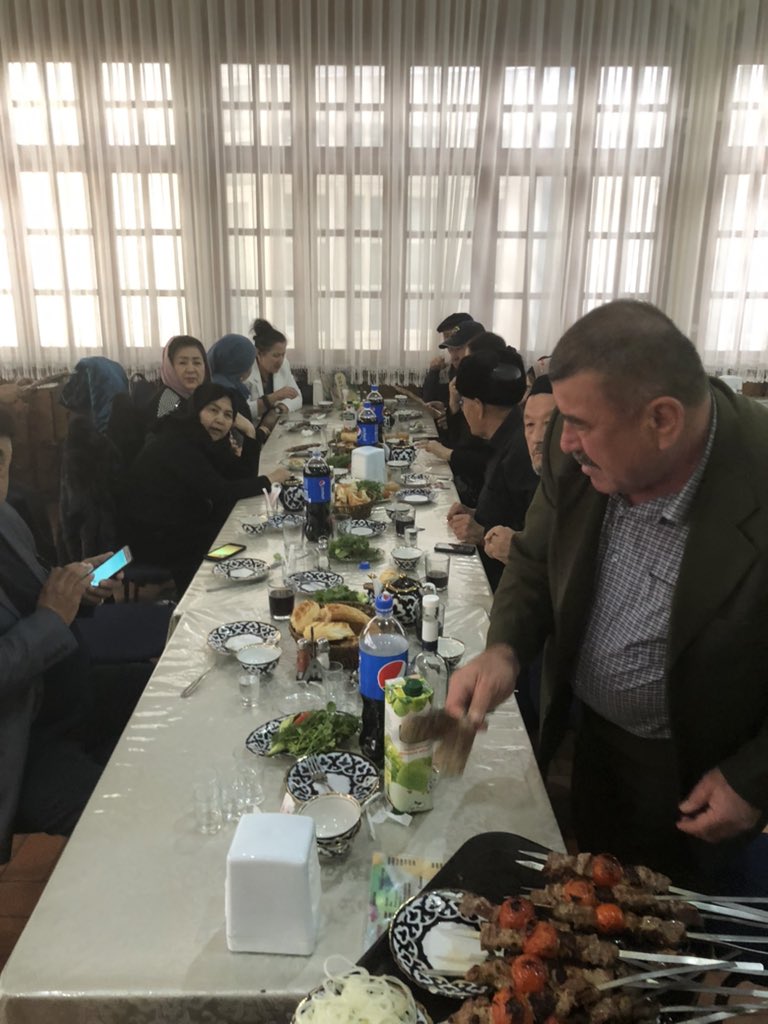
x: 314, y: 732
x: 348, y: 547
x: 372, y: 488
x: 339, y: 460
x: 340, y: 593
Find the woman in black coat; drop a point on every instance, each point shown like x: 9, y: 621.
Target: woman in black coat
x: 185, y: 481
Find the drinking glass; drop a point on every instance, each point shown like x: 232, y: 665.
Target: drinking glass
x: 293, y: 534
x: 404, y: 521
x: 280, y: 594
x: 438, y: 567
x: 206, y: 796
x: 249, y: 684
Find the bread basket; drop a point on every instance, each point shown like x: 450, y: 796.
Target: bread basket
x: 346, y: 652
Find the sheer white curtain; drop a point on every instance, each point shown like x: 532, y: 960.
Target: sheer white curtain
x: 355, y: 170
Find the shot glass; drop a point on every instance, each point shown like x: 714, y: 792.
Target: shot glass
x: 249, y: 684
x: 206, y: 795
x: 334, y: 682
x: 438, y: 568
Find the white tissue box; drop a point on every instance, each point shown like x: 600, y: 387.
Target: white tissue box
x: 368, y: 464
x: 272, y: 891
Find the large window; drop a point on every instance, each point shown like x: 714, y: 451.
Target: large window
x: 354, y: 172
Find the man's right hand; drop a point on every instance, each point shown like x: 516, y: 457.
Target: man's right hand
x: 457, y: 509
x: 482, y: 684
x: 64, y: 589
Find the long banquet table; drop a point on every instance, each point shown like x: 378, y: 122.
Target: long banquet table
x: 131, y: 924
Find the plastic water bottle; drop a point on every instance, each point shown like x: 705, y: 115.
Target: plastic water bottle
x: 367, y: 427
x: 383, y: 656
x: 427, y: 664
x: 376, y: 400
x: 317, y: 497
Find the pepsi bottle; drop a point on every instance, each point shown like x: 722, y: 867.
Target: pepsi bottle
x: 383, y: 655
x: 367, y: 427
x: 376, y: 401
x: 317, y: 497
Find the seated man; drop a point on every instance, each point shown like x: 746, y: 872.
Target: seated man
x: 491, y: 385
x: 59, y: 719
x: 539, y: 408
x: 435, y: 386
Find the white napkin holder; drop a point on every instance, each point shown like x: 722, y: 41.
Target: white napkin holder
x: 369, y: 463
x: 272, y: 889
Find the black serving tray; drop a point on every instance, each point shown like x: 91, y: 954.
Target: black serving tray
x: 485, y: 864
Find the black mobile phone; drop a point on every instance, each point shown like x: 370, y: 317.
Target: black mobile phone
x: 220, y: 554
x: 456, y: 549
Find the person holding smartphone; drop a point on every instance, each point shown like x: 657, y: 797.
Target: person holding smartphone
x: 182, y: 486
x: 60, y: 716
x: 490, y: 384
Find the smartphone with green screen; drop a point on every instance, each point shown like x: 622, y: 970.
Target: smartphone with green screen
x: 224, y: 552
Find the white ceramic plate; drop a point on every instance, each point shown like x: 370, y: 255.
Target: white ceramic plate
x: 314, y: 579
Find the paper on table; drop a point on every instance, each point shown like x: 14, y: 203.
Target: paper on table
x: 394, y: 880
x: 453, y: 947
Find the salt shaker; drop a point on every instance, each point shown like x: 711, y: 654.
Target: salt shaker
x: 323, y: 562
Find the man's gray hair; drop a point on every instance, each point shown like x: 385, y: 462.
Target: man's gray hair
x: 639, y: 351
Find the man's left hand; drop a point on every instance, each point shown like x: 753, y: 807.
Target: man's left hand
x: 716, y: 810
x: 107, y: 588
x: 466, y: 529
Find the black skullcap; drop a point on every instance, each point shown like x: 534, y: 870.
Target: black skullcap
x: 453, y: 320
x: 541, y: 386
x: 495, y: 378
x: 466, y: 331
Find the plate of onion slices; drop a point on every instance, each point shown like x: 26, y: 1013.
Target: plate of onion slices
x: 354, y: 995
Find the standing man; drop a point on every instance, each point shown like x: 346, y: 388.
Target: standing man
x: 643, y: 570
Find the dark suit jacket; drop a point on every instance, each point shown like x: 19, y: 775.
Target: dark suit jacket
x: 28, y: 646
x: 717, y: 677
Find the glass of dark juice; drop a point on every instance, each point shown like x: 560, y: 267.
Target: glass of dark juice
x: 438, y: 569
x: 280, y: 595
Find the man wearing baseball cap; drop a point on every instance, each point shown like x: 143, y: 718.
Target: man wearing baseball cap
x: 435, y: 387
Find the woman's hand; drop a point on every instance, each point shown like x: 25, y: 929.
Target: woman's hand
x: 244, y: 425
x: 283, y: 394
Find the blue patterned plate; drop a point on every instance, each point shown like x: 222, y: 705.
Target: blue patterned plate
x: 261, y: 632
x: 244, y: 570
x: 314, y: 579
x: 276, y: 521
x: 344, y: 772
x: 409, y: 940
x: 416, y: 495
x: 361, y: 527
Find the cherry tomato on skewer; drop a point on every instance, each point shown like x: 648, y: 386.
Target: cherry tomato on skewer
x: 606, y: 870
x: 529, y: 974
x: 516, y: 912
x: 580, y: 892
x: 609, y: 918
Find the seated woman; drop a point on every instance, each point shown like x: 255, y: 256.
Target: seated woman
x: 182, y: 486
x: 231, y: 360
x: 184, y: 367
x: 490, y: 385
x: 272, y: 384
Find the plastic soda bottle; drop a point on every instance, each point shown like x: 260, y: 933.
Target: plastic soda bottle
x: 367, y: 427
x: 383, y: 656
x: 317, y: 497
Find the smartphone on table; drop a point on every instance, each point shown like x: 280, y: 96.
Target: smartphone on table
x: 223, y: 552
x: 456, y: 549
x: 112, y: 566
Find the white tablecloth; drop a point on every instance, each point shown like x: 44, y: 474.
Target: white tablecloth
x: 131, y: 925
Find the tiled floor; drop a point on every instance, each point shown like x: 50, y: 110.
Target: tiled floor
x: 22, y: 881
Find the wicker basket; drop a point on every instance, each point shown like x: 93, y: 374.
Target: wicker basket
x: 346, y: 652
x: 353, y: 511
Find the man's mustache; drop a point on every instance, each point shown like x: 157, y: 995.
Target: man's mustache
x: 584, y: 460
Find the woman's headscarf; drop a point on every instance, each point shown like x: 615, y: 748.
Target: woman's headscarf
x: 231, y: 357
x: 168, y: 375
x: 209, y: 392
